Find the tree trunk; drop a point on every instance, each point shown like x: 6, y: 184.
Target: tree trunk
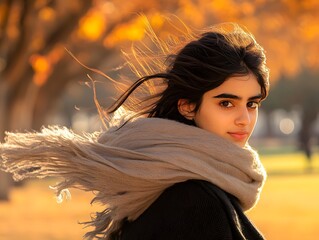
x: 6, y: 183
x: 5, y: 179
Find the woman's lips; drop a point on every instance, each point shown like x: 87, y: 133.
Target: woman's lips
x: 239, y: 136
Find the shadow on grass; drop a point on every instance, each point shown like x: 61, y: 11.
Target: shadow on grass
x: 294, y: 172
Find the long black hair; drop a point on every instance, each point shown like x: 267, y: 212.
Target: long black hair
x: 202, y: 64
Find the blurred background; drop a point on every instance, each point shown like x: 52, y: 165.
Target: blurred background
x: 41, y: 84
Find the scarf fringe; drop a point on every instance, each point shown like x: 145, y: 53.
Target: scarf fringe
x: 55, y: 152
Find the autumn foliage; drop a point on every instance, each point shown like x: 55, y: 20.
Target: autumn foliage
x: 35, y: 68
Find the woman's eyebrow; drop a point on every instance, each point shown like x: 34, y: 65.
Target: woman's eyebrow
x: 232, y: 96
x: 257, y: 97
x: 227, y: 95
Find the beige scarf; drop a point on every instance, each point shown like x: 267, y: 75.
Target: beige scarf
x: 130, y: 167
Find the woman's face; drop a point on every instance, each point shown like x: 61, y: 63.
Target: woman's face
x: 231, y: 110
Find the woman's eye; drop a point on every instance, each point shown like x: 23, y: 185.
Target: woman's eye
x: 253, y: 105
x: 226, y: 104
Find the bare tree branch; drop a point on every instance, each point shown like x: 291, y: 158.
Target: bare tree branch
x: 4, y: 20
x: 65, y: 28
x: 18, y: 53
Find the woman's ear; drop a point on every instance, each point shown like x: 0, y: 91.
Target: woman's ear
x: 186, y: 108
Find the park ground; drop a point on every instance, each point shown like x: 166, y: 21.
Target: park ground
x: 288, y: 208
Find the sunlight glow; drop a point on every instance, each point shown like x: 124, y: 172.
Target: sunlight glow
x: 286, y: 126
x: 47, y: 14
x: 41, y: 66
x: 92, y: 26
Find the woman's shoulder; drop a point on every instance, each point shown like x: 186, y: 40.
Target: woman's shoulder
x: 185, y: 211
x: 191, y: 191
x: 197, y: 196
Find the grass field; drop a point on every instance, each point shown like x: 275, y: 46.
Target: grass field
x: 288, y: 209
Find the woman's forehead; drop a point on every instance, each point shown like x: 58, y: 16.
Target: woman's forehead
x: 241, y: 86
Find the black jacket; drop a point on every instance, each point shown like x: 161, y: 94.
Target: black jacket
x: 191, y: 210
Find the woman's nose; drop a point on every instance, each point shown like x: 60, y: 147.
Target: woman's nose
x: 243, y: 117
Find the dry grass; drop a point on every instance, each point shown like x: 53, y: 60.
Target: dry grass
x: 288, y: 209
x: 289, y: 205
x: 34, y: 214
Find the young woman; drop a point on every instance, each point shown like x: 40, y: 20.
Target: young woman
x: 181, y: 166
